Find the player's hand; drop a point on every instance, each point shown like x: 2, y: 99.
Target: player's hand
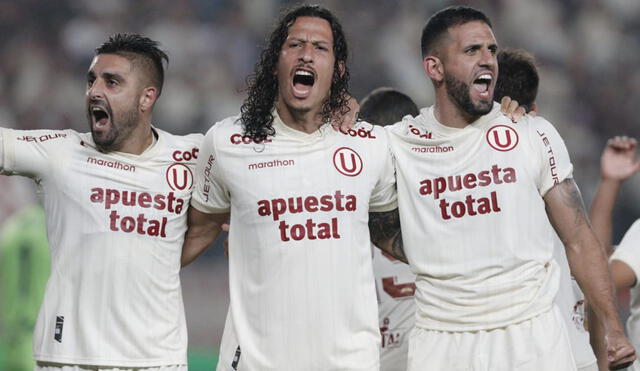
x: 225, y: 244
x: 618, y: 161
x: 510, y: 108
x: 347, y: 121
x: 620, y: 352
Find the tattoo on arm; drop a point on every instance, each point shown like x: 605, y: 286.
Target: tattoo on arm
x: 571, y: 197
x: 384, y: 231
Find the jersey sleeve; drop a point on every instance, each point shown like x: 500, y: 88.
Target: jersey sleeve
x: 628, y: 251
x: 554, y: 162
x: 385, y: 196
x: 210, y: 194
x: 28, y: 152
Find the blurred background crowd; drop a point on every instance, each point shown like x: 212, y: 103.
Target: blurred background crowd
x: 587, y: 51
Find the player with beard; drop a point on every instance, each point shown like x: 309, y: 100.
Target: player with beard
x: 115, y: 203
x: 299, y: 193
x: 474, y: 194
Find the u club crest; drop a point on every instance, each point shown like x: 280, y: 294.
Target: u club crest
x: 347, y: 161
x: 179, y: 177
x: 502, y: 138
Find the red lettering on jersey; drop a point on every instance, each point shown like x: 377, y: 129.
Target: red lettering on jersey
x: 186, y: 155
x: 360, y: 132
x: 455, y: 183
x: 111, y: 197
x: 240, y: 139
x: 502, y: 138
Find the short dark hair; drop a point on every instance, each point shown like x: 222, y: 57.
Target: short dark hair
x: 139, y: 50
x: 439, y: 23
x: 518, y: 77
x: 262, y: 85
x: 386, y: 106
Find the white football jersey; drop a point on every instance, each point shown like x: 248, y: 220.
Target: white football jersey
x: 570, y: 302
x: 302, y: 294
x: 395, y: 286
x: 474, y: 224
x: 628, y: 252
x: 115, y: 224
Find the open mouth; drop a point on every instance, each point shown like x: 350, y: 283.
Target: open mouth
x: 303, y: 81
x: 482, y: 83
x: 100, y: 116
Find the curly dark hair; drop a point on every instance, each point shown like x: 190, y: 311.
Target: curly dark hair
x: 262, y: 85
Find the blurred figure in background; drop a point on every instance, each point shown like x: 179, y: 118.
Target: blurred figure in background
x: 617, y: 164
x: 395, y: 283
x: 24, y: 270
x: 519, y: 80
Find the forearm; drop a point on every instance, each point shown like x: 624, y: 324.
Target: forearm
x: 601, y: 211
x: 589, y: 266
x: 596, y: 337
x: 203, y: 231
x: 385, y: 233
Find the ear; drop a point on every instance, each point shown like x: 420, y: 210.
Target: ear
x: 148, y: 98
x: 433, y: 68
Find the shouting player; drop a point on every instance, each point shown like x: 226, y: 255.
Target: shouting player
x: 474, y: 194
x: 301, y: 281
x: 115, y: 201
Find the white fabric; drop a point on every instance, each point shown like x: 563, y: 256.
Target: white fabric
x: 539, y: 343
x: 395, y: 286
x: 491, y: 265
x: 115, y: 225
x: 628, y: 252
x: 570, y: 302
x: 300, y: 274
x: 44, y: 366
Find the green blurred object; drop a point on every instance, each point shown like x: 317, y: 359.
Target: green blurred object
x: 24, y: 271
x: 202, y: 360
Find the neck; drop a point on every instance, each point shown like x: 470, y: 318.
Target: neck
x: 307, y: 121
x: 139, y: 139
x: 448, y: 113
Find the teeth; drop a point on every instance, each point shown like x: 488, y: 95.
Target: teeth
x: 485, y: 76
x: 303, y: 73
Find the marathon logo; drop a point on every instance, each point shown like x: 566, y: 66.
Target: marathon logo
x: 311, y: 229
x: 111, y: 164
x: 433, y: 149
x: 470, y: 206
x: 139, y: 224
x: 271, y: 164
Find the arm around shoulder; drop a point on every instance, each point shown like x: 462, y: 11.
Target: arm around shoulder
x: 202, y: 232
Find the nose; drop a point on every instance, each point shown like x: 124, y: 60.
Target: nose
x: 306, y: 53
x: 95, y: 91
x: 488, y: 58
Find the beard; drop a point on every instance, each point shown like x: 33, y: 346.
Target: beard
x: 120, y: 128
x: 458, y: 91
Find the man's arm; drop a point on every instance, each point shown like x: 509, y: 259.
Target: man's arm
x: 617, y: 164
x: 203, y: 230
x: 384, y: 231
x: 588, y: 263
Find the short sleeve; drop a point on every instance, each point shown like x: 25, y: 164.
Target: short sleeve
x: 555, y: 164
x: 385, y: 196
x: 628, y: 251
x: 28, y: 152
x: 210, y: 194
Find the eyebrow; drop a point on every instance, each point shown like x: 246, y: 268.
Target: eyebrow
x: 106, y: 76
